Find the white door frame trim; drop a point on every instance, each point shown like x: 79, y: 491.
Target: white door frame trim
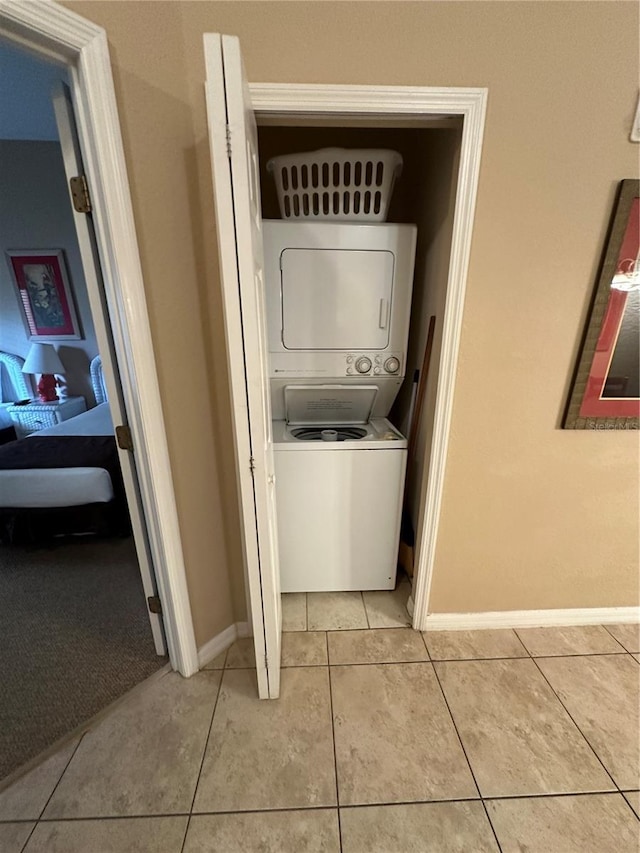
x: 57, y: 33
x: 419, y: 103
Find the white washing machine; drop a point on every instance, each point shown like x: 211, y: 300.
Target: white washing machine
x: 339, y: 483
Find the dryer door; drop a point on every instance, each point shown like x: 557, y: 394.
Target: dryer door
x: 336, y: 299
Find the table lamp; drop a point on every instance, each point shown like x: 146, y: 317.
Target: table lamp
x: 45, y: 360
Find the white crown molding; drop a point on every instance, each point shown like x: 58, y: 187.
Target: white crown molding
x: 372, y: 100
x: 532, y: 618
x: 45, y: 24
x: 55, y: 31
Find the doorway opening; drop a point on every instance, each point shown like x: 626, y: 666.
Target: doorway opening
x: 424, y: 195
x: 127, y: 374
x: 80, y: 46
x: 235, y: 109
x: 75, y: 571
x: 444, y: 159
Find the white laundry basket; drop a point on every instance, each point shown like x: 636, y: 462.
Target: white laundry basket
x: 339, y: 184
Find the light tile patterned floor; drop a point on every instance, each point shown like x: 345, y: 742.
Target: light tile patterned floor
x: 346, y: 611
x: 384, y: 740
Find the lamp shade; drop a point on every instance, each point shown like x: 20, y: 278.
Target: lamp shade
x: 43, y: 358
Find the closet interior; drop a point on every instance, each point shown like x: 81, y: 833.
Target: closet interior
x: 343, y: 396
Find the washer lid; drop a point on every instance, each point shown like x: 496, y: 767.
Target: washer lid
x: 328, y: 404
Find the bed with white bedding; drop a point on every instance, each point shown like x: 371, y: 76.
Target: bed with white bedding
x: 71, y: 470
x: 96, y: 421
x: 54, y: 487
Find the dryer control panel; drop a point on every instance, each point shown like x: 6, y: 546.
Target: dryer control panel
x: 338, y: 364
x: 373, y: 364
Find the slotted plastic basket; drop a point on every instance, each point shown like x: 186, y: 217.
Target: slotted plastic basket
x: 339, y: 184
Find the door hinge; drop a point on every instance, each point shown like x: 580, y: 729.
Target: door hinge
x: 252, y: 464
x: 154, y: 604
x: 123, y: 436
x: 80, y: 194
x: 228, y: 142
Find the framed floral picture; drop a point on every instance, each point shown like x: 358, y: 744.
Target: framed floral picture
x: 44, y: 293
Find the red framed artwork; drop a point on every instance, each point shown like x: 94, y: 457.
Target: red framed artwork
x: 44, y: 292
x: 606, y: 390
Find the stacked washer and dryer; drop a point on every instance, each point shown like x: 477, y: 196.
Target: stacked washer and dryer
x: 338, y: 300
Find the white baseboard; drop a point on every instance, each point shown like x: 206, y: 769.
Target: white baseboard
x: 532, y: 618
x: 465, y: 622
x: 221, y: 642
x: 216, y: 645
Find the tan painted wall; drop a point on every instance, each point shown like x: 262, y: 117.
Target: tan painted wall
x: 532, y: 516
x: 161, y: 147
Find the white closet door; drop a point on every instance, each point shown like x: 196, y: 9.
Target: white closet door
x: 72, y: 158
x: 233, y: 141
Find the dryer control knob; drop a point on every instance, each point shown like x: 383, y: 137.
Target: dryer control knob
x: 363, y: 364
x: 392, y: 365
x: 349, y: 369
x: 349, y: 359
x: 377, y: 370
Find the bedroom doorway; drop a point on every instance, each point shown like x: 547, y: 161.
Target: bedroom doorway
x: 77, y: 630
x: 110, y: 380
x: 75, y: 616
x: 51, y: 31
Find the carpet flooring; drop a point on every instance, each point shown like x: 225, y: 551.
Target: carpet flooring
x: 74, y: 637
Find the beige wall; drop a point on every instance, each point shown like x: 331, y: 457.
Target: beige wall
x: 162, y: 151
x: 532, y: 516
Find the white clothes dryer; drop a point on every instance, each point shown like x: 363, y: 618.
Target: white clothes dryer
x: 339, y: 484
x: 338, y: 300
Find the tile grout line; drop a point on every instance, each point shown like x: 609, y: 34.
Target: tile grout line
x: 55, y: 787
x: 418, y: 660
x: 581, y: 655
x: 464, y: 751
x: 528, y: 655
x: 108, y: 817
x: 66, y: 767
x: 619, y: 642
x: 426, y: 647
x: 633, y: 810
x: 553, y: 795
x: 366, y: 612
x: 586, y: 739
x: 347, y: 630
x: 204, y: 754
x: 477, y: 799
x: 333, y: 739
x: 345, y: 806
